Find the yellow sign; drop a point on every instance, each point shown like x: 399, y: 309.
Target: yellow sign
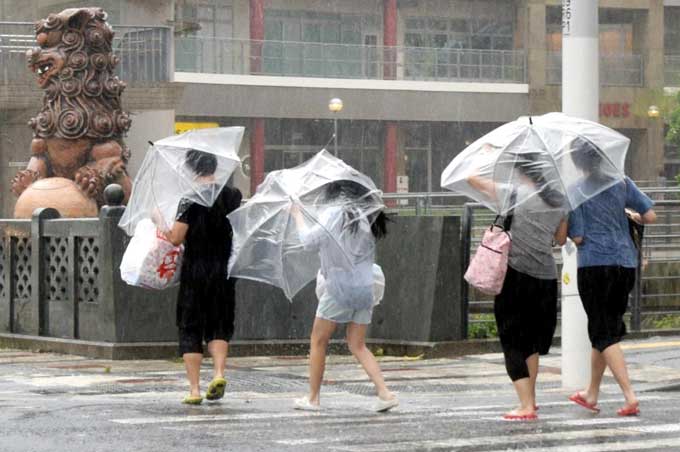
x: 181, y: 127
x: 566, y: 278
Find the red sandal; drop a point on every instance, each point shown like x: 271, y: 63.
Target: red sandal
x: 578, y: 399
x: 629, y: 410
x: 520, y: 417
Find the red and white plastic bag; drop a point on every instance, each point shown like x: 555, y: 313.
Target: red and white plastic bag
x: 150, y: 260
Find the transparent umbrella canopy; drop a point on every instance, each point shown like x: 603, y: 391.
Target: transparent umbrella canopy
x: 267, y: 240
x: 571, y: 156
x: 191, y: 167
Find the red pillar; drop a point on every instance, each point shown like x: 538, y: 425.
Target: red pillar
x: 257, y: 129
x: 390, y: 73
x: 256, y: 35
x: 256, y: 153
x: 389, y: 39
x: 390, y: 179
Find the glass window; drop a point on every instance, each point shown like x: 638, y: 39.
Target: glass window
x: 502, y: 43
x: 273, y: 159
x: 672, y: 30
x: 437, y: 24
x: 440, y: 41
x: 312, y: 32
x: 415, y: 40
x: 272, y: 131
x: 415, y: 23
x: 460, y: 25
x: 289, y: 142
x: 320, y: 44
x: 481, y: 42
x: 417, y: 135
x: 291, y: 159
x: 351, y: 156
x: 484, y: 33
x: 416, y: 170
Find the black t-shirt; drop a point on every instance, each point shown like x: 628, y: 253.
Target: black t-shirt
x: 208, y: 240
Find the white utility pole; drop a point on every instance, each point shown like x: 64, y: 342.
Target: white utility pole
x: 580, y: 98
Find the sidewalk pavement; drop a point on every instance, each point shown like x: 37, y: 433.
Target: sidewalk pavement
x: 56, y: 403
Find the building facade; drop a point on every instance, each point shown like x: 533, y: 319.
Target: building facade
x: 419, y: 79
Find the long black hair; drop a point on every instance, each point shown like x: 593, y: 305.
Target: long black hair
x: 534, y: 167
x: 351, y: 190
x: 201, y: 163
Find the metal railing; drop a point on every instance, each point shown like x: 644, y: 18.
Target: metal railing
x: 615, y: 70
x: 312, y: 59
x: 145, y: 52
x: 655, y: 301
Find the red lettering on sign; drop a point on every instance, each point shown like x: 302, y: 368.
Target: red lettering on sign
x: 625, y: 110
x: 615, y: 109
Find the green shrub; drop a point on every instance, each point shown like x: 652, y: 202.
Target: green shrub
x: 666, y: 322
x: 483, y: 328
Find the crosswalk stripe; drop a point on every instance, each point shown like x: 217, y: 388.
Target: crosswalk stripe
x: 663, y: 428
x: 595, y: 421
x: 210, y: 418
x: 653, y: 444
x: 401, y: 414
x: 525, y: 439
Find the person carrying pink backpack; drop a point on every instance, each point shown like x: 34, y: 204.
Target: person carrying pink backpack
x: 526, y: 308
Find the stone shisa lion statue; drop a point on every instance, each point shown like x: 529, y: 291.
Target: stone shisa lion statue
x: 77, y: 146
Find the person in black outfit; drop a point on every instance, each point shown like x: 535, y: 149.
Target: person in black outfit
x: 205, y: 304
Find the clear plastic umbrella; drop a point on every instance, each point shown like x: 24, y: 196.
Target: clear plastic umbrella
x: 571, y: 158
x: 191, y: 167
x: 333, y: 200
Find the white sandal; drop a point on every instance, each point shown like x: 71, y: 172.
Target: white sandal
x: 383, y: 406
x: 304, y: 404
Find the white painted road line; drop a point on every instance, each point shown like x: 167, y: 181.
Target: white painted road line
x: 337, y: 416
x: 663, y: 428
x: 652, y: 444
x: 212, y: 418
x: 595, y: 421
x: 524, y: 439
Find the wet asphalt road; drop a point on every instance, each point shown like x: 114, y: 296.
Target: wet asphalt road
x: 64, y: 403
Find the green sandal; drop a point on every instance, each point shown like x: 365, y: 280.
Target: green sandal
x: 192, y: 400
x: 216, y: 389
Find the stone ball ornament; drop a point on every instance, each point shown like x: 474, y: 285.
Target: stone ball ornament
x: 59, y: 193
x: 114, y: 195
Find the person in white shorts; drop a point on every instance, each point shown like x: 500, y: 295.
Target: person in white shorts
x: 345, y: 241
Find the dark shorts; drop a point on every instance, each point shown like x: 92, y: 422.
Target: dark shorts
x: 205, y: 312
x: 526, y: 313
x: 604, y: 293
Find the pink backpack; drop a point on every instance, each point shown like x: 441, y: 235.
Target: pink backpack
x: 487, y: 269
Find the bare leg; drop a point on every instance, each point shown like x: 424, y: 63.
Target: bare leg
x: 356, y: 340
x: 526, y: 389
x: 321, y: 335
x: 532, y: 364
x: 616, y: 362
x: 597, y: 367
x: 524, y: 392
x: 218, y: 350
x: 192, y: 362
